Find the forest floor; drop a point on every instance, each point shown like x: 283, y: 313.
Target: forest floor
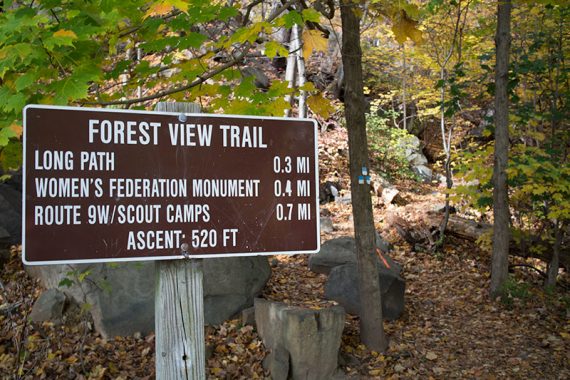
x: 450, y: 327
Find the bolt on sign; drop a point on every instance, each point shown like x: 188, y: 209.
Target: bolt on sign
x: 105, y: 185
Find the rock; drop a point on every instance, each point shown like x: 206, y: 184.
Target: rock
x: 326, y: 224
x: 10, y: 213
x: 328, y: 191
x: 248, y: 316
x: 425, y: 173
x: 416, y: 159
x: 127, y: 305
x: 260, y: 79
x: 342, y: 286
x: 411, y: 143
x: 231, y: 284
x: 344, y: 199
x: 304, y: 343
x: 278, y: 364
x: 341, y: 251
x: 48, y: 307
x: 388, y: 194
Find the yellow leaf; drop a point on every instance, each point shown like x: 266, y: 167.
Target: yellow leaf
x: 72, y: 359
x: 158, y: 9
x: 404, y: 27
x: 65, y: 33
x: 313, y: 40
x: 216, y: 371
x: 320, y: 105
x: 17, y: 129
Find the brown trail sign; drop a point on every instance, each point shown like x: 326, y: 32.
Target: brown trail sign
x: 106, y: 185
x: 109, y: 185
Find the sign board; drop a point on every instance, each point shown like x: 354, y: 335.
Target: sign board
x: 104, y: 185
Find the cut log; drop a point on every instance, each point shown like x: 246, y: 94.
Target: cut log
x: 471, y: 230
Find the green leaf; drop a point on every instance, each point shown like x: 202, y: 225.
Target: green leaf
x: 246, y: 87
x: 76, y: 86
x: 60, y: 38
x: 289, y: 19
x: 274, y: 48
x: 15, y: 103
x: 312, y: 15
x: 193, y: 40
x: 26, y: 80
x: 5, y: 135
x: 65, y: 282
x: 11, y: 157
x: 83, y: 275
x: 227, y: 13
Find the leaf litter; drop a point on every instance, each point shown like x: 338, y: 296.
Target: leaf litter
x: 450, y: 328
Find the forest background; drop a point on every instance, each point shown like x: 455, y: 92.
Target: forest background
x: 429, y: 71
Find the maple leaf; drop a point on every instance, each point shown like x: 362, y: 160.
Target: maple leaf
x: 320, y: 105
x: 62, y: 37
x: 404, y: 27
x: 163, y: 8
x: 158, y: 9
x: 273, y: 48
x: 313, y: 40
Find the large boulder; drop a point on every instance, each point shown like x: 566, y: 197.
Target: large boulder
x: 121, y: 296
x: 231, y: 284
x: 11, y: 211
x: 304, y: 343
x: 422, y: 171
x: 337, y: 258
x: 48, y: 307
x: 342, y: 250
x: 342, y: 287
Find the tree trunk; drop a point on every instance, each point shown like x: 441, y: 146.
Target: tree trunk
x: 371, y: 324
x: 501, y: 229
x: 291, y: 70
x: 555, y: 260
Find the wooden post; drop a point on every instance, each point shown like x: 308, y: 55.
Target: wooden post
x: 179, y: 306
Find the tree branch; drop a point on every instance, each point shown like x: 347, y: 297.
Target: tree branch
x: 201, y: 78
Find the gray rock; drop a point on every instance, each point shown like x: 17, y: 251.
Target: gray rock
x: 10, y: 214
x: 344, y: 199
x: 121, y: 296
x: 342, y: 250
x: 342, y: 287
x: 388, y: 194
x: 423, y: 172
x: 417, y: 158
x: 326, y: 224
x: 260, y: 79
x: 304, y: 343
x: 231, y: 284
x: 48, y: 307
x: 248, y: 316
x: 126, y: 305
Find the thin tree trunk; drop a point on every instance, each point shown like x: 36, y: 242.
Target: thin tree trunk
x: 291, y: 69
x: 501, y: 228
x: 371, y: 323
x: 554, y: 263
x: 404, y: 86
x: 297, y: 31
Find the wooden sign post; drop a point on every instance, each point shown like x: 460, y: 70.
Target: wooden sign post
x: 179, y: 306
